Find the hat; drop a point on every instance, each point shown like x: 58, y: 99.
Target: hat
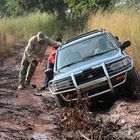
x: 41, y: 35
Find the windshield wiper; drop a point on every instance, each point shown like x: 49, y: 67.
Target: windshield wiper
x: 93, y: 55
x: 68, y: 65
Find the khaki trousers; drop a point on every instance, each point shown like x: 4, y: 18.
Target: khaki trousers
x: 27, y: 70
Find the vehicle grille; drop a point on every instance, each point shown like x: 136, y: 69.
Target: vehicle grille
x: 89, y: 75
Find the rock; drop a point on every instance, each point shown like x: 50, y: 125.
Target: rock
x: 38, y: 136
x: 121, y: 135
x: 69, y: 135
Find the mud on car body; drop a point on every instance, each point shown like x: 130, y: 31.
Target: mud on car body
x: 93, y: 64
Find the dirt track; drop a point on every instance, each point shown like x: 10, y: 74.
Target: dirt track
x: 25, y: 116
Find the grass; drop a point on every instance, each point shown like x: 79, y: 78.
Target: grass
x: 20, y: 29
x: 124, y: 24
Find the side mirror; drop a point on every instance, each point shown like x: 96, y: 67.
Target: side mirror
x: 125, y: 44
x: 117, y: 38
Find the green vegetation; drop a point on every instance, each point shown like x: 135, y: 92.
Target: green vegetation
x: 20, y: 29
x: 83, y: 7
x: 18, y: 7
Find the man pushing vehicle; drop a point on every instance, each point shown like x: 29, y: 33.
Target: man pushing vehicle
x: 33, y: 54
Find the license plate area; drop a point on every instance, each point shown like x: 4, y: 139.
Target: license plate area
x: 92, y: 87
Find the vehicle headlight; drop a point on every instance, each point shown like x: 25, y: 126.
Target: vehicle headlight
x: 119, y: 64
x: 125, y: 61
x: 59, y: 85
x: 116, y: 65
x: 62, y: 84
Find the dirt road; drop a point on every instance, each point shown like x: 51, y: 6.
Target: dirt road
x: 25, y: 116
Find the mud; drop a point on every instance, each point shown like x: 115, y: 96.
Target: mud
x: 26, y: 116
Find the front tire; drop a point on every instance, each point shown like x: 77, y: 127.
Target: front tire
x: 132, y: 83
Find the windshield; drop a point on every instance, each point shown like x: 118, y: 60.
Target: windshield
x: 85, y: 49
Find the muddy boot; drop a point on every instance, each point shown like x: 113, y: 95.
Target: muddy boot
x: 27, y: 83
x: 33, y: 86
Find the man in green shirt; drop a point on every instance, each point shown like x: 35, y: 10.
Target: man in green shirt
x: 33, y: 54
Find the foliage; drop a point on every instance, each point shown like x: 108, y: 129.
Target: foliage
x: 2, y: 7
x: 130, y: 4
x: 18, y: 7
x: 77, y: 7
x: 88, y: 6
x: 61, y: 7
x: 53, y: 6
x: 13, y: 8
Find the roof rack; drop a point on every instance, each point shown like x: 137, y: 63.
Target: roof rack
x: 83, y: 35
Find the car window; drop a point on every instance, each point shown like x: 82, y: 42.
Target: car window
x: 79, y: 51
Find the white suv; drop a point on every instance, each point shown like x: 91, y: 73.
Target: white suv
x: 93, y: 64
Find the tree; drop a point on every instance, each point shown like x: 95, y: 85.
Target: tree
x: 2, y: 7
x: 12, y: 8
x: 129, y: 4
x: 103, y: 3
x: 79, y: 6
x: 20, y: 7
x: 53, y: 6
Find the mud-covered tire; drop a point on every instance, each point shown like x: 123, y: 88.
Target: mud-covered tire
x: 132, y: 82
x: 104, y: 102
